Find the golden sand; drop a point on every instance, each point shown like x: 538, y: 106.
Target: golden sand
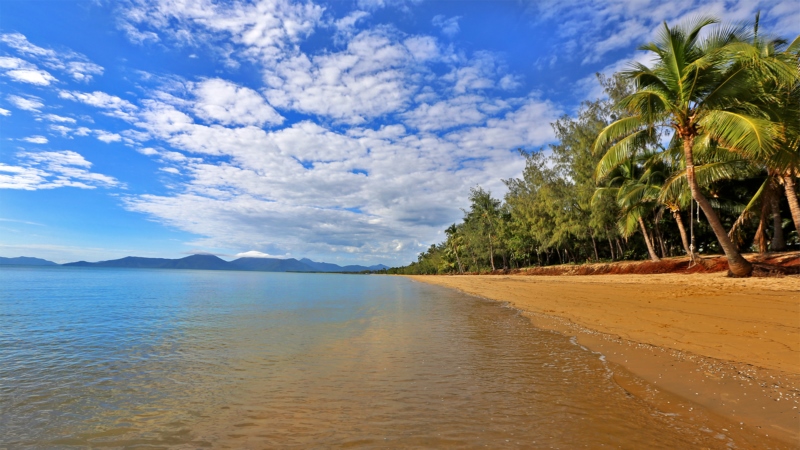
x: 729, y: 345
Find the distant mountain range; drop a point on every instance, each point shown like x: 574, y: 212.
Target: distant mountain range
x: 25, y: 261
x: 211, y: 262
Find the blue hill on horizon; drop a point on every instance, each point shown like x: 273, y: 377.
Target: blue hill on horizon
x: 212, y: 262
x: 25, y: 261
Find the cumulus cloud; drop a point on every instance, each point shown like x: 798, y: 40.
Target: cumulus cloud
x: 113, y: 105
x: 35, y: 139
x: 610, y: 25
x: 31, y: 76
x: 226, y: 103
x: 72, y: 63
x: 84, y: 70
x: 368, y: 79
x: 265, y: 28
x: 23, y: 71
x: 50, y: 170
x: 107, y: 137
x: 449, y: 26
x: 26, y: 103
x: 19, y: 42
x: 58, y: 119
x: 453, y: 112
x: 393, y: 131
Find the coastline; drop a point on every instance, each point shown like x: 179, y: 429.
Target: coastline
x: 730, y: 346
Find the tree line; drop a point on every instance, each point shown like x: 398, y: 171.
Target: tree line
x: 698, y: 152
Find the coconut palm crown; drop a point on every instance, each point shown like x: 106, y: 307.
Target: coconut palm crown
x: 708, y: 91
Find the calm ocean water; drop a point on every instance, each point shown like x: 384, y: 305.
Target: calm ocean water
x: 127, y: 358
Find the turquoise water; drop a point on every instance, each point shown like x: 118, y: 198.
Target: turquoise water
x: 135, y: 358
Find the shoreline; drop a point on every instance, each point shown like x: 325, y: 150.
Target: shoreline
x: 729, y: 346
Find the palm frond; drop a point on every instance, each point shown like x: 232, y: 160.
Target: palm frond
x: 748, y: 209
x: 650, y: 103
x: 617, y: 130
x: 622, y: 151
x: 752, y: 137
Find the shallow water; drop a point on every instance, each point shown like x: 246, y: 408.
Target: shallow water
x: 187, y: 359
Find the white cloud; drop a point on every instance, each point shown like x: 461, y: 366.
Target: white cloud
x: 107, y: 137
x: 35, y: 139
x: 20, y: 43
x: 478, y: 74
x: 25, y: 72
x: 265, y: 28
x: 27, y: 103
x: 610, y: 25
x: 49, y: 170
x: 449, y: 26
x: 356, y: 177
x: 59, y: 119
x: 61, y: 129
x: 84, y: 71
x: 114, y: 106
x: 371, y: 77
x: 346, y: 26
x: 31, y: 76
x: 224, y: 102
x: 463, y: 110
x: 4, y: 112
x: 74, y: 64
x: 13, y: 63
x: 98, y: 99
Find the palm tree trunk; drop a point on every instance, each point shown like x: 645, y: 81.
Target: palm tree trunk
x: 647, y: 241
x: 594, y: 244
x: 791, y: 196
x: 778, y: 243
x: 610, y: 246
x: 760, y: 238
x: 682, y: 230
x: 737, y: 265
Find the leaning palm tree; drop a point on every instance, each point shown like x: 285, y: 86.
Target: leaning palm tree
x: 700, y: 88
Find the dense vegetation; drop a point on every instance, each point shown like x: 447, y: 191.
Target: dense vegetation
x: 697, y: 153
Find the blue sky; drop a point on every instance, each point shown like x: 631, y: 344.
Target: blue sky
x: 346, y: 132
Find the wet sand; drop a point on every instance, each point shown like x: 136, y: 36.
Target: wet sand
x: 731, y: 346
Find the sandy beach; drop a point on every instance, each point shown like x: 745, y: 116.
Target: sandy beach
x: 731, y: 346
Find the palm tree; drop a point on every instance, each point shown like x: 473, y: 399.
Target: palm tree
x: 700, y: 88
x: 784, y: 166
x: 454, y: 237
x: 635, y: 195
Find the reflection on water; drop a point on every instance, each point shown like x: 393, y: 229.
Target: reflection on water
x: 189, y: 359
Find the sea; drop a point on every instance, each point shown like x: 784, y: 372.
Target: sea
x: 182, y: 359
